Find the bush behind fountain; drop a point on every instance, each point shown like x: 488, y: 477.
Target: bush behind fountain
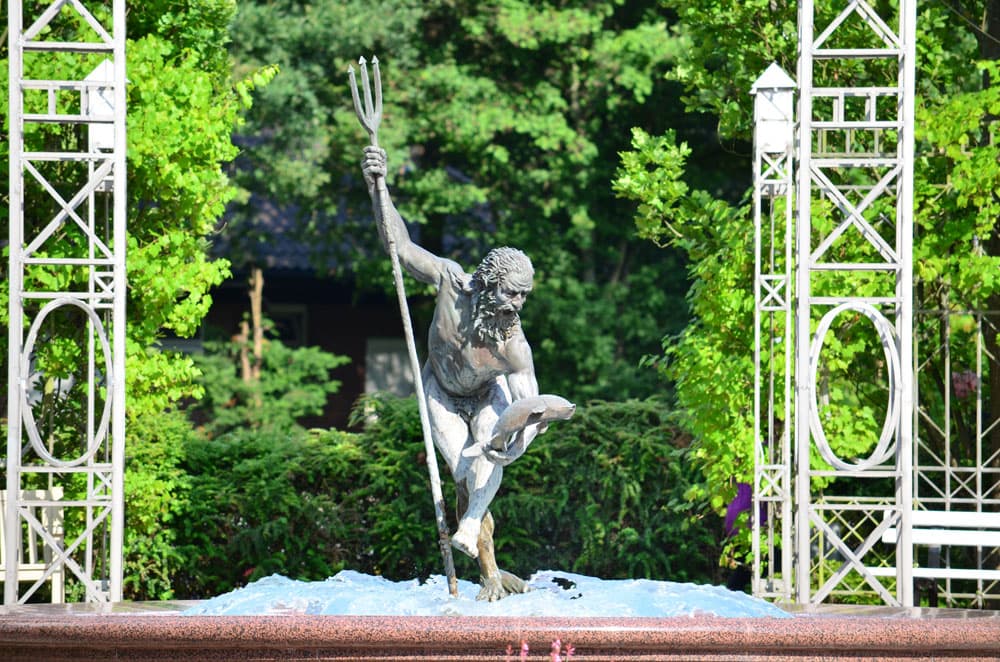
x: 603, y: 495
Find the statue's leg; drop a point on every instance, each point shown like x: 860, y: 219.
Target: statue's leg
x: 461, y: 500
x: 480, y: 480
x: 474, y: 480
x: 448, y: 428
x: 496, y: 583
x: 479, y: 474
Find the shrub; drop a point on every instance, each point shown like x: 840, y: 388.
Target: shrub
x: 263, y: 495
x: 604, y: 494
x: 263, y: 501
x: 601, y: 494
x: 155, y: 492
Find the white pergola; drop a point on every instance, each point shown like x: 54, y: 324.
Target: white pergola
x: 856, y: 524
x: 81, y: 249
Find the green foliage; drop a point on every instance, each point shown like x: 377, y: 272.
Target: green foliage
x: 391, y: 495
x: 714, y: 397
x: 727, y: 46
x: 263, y: 494
x: 669, y: 210
x: 502, y: 122
x: 293, y: 383
x: 307, y: 504
x: 608, y: 494
x: 155, y: 493
x: 183, y: 107
x: 957, y: 256
x: 262, y: 501
x: 956, y: 252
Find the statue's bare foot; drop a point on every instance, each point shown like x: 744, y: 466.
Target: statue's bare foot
x: 465, y: 540
x: 500, y: 585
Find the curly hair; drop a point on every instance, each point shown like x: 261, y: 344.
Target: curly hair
x: 500, y: 262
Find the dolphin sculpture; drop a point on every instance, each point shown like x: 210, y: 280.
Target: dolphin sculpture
x: 539, y: 409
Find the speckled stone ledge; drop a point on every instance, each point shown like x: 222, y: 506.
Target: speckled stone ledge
x: 52, y: 633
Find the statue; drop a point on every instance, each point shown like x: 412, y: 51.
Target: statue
x: 478, y: 364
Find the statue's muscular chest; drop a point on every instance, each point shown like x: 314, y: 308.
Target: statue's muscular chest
x: 460, y: 361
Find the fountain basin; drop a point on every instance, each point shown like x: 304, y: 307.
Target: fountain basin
x: 158, y: 631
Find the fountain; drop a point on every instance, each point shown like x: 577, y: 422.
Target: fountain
x: 291, y: 629
x: 560, y: 615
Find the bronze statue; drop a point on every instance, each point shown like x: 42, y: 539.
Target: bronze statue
x: 479, y: 362
x: 477, y: 393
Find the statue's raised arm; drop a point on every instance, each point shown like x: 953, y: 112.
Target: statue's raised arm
x: 418, y: 262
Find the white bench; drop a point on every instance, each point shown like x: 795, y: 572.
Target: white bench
x: 943, y: 528
x: 34, y: 556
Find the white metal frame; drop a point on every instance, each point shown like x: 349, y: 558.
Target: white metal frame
x: 842, y: 542
x: 891, y: 316
x: 832, y: 165
x: 100, y: 301
x: 35, y: 557
x: 773, y: 202
x: 956, y: 472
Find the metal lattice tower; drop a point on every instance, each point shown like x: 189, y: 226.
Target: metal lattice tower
x: 856, y: 157
x: 850, y: 211
x: 773, y: 211
x: 909, y: 497
x: 67, y: 271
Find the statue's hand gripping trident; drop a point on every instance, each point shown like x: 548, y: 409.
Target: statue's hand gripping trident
x: 370, y: 116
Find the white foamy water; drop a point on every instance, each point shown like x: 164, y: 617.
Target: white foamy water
x: 553, y: 593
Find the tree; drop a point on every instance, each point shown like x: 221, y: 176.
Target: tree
x: 956, y: 255
x: 182, y: 108
x: 502, y: 123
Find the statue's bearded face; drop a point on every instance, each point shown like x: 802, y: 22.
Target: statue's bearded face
x: 501, y: 295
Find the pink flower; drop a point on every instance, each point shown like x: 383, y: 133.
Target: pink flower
x: 964, y: 383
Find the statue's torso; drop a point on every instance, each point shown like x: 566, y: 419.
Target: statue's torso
x: 462, y: 364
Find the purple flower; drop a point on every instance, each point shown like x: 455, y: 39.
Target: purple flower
x: 743, y: 503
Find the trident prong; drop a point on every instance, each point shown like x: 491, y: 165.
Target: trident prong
x: 371, y: 115
x: 378, y: 87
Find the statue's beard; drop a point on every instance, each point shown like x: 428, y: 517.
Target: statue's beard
x: 489, y: 322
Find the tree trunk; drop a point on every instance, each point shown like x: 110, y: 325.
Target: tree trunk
x: 251, y: 335
x: 242, y: 340
x: 256, y: 319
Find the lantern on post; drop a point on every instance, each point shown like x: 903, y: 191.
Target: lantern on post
x: 773, y: 160
x: 774, y: 110
x: 98, y: 105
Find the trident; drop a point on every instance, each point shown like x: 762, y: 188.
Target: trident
x: 370, y: 116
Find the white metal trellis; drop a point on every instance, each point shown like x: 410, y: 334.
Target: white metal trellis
x: 853, y: 161
x: 850, y: 156
x: 773, y: 202
x: 852, y: 201
x: 70, y: 263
